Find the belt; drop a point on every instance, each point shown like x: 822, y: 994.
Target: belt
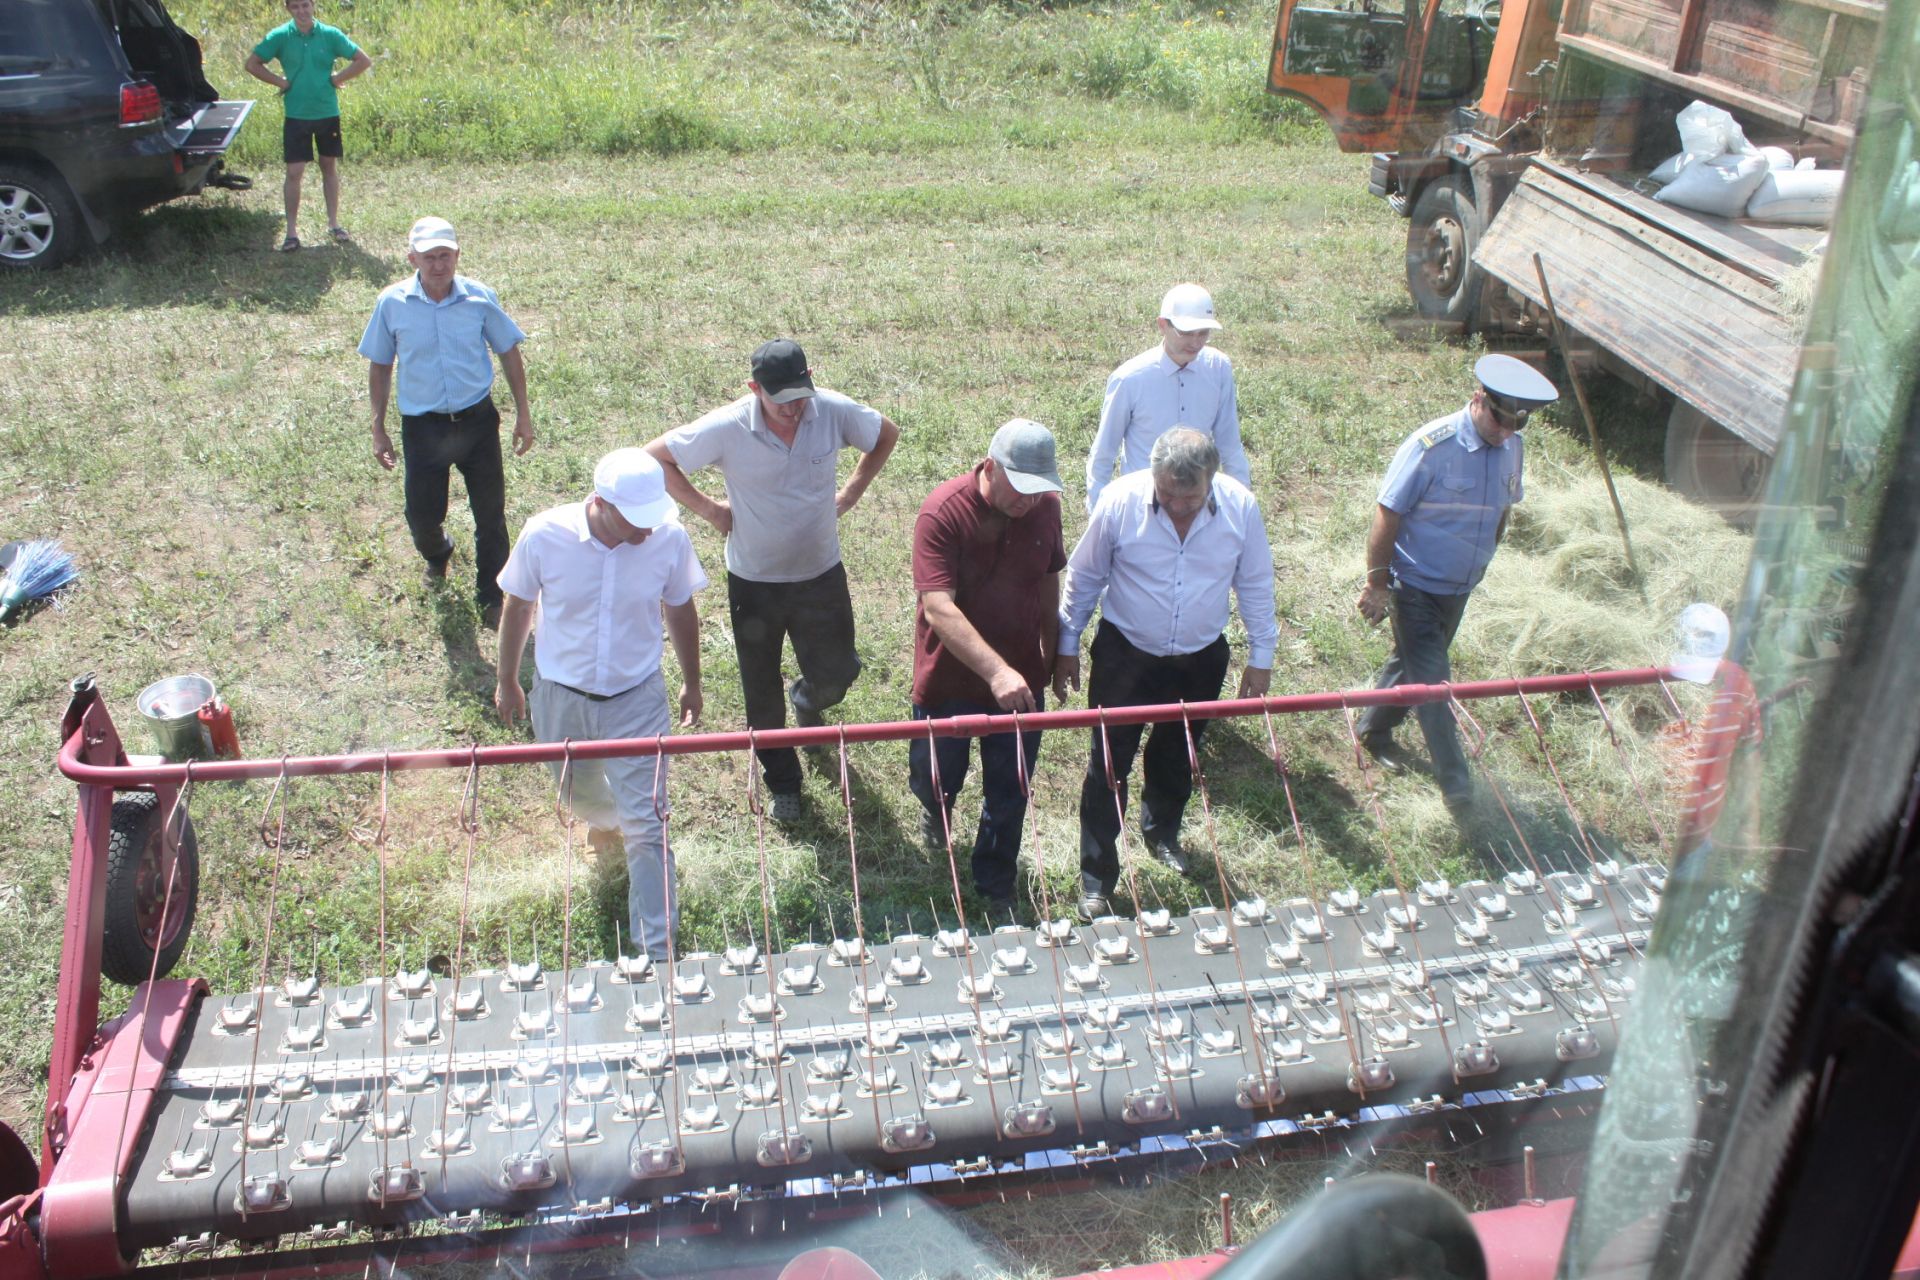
x: 482, y: 405
x: 597, y: 697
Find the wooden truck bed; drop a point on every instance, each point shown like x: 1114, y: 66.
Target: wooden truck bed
x: 1690, y: 300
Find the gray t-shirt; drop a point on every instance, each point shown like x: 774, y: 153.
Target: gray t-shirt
x: 784, y: 526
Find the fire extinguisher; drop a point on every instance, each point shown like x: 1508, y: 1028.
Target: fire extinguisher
x: 216, y: 718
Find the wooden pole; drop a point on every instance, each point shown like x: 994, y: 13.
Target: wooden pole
x: 1593, y: 431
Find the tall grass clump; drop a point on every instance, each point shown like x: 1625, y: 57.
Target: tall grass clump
x: 537, y: 78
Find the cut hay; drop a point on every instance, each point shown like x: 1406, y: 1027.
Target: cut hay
x: 1560, y: 596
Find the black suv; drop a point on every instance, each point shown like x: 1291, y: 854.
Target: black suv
x: 104, y: 111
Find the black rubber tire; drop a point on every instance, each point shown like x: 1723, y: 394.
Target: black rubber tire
x: 1713, y: 466
x: 40, y: 225
x: 1444, y: 230
x: 136, y: 888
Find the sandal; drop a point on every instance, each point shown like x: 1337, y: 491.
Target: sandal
x: 339, y: 235
x: 290, y: 244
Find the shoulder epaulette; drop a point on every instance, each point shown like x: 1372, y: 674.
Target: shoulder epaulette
x: 1435, y: 434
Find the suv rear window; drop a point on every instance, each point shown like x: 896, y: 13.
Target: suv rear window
x: 43, y: 35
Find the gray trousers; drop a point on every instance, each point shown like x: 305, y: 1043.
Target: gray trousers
x: 627, y: 794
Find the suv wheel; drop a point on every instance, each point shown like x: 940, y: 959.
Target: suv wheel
x: 39, y: 223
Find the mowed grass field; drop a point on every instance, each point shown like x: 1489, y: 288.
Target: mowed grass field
x: 187, y: 412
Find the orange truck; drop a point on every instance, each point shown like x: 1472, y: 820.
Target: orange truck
x: 1502, y: 130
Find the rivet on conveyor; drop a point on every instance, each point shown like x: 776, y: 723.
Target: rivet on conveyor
x: 738, y: 961
x: 1086, y: 1151
x: 1055, y: 933
x: 1572, y: 1044
x: 1085, y: 977
x: 526, y: 1171
x: 353, y: 1007
x: 578, y: 1128
x: 307, y: 1037
x: 237, y: 1016
x: 779, y: 1147
x: 978, y: 988
x: 451, y: 1141
x: 298, y: 992
x: 1252, y: 912
x: 263, y: 1193
x: 1157, y: 923
x: 509, y: 1114
x: 1254, y: 1091
x: 1475, y: 1058
x: 1370, y: 1074
x: 800, y: 979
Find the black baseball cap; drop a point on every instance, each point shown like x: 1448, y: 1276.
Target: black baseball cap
x: 780, y: 370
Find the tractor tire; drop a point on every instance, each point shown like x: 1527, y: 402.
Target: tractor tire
x: 40, y: 225
x: 1444, y: 230
x: 140, y: 918
x: 1713, y: 466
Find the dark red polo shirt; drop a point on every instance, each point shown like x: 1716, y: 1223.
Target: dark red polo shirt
x: 993, y: 567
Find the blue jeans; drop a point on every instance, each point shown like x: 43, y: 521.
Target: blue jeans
x: 1003, y: 805
x: 433, y: 444
x: 1423, y: 628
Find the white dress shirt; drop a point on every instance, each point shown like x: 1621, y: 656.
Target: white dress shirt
x: 1150, y: 395
x: 599, y: 625
x: 1166, y: 595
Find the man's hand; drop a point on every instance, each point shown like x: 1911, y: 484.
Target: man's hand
x: 691, y: 705
x: 383, y: 452
x: 719, y: 514
x: 845, y: 500
x: 1066, y: 673
x: 510, y: 700
x: 1255, y: 681
x: 1010, y: 691
x: 1373, y: 603
x: 522, y: 434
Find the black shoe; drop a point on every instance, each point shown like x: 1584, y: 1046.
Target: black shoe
x: 1459, y: 806
x: 436, y: 571
x: 1167, y: 852
x: 1093, y: 906
x: 1387, y: 754
x: 490, y: 615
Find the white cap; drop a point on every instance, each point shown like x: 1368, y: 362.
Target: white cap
x: 1188, y: 307
x: 1703, y: 635
x: 432, y: 233
x: 631, y: 482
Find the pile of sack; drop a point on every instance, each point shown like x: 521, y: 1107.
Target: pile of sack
x: 1718, y: 171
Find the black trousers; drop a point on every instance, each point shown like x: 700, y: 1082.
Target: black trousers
x: 1124, y: 676
x: 1003, y: 804
x: 434, y: 444
x: 818, y: 615
x: 1423, y: 628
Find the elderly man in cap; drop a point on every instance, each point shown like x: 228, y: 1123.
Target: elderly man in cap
x: 444, y: 330
x: 1160, y: 555
x: 600, y: 576
x: 777, y: 448
x: 1442, y: 511
x: 987, y: 555
x: 1180, y: 382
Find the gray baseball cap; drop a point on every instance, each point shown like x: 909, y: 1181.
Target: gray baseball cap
x: 1024, y: 450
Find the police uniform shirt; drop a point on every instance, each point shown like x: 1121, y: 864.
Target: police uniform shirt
x: 1451, y: 491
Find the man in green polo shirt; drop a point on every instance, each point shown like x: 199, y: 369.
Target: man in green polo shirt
x: 307, y: 50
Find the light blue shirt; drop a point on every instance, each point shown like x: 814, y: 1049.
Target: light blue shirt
x: 1168, y: 595
x: 444, y: 348
x: 1150, y: 395
x: 1451, y: 491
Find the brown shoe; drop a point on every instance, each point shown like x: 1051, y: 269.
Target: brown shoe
x: 436, y: 572
x: 490, y: 615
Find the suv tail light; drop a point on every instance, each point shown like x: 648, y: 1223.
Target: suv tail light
x: 139, y: 103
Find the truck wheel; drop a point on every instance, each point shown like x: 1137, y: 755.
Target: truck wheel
x: 1441, y: 238
x: 141, y: 919
x: 39, y: 222
x: 1714, y: 467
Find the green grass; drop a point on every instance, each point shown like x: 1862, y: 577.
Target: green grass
x: 964, y: 219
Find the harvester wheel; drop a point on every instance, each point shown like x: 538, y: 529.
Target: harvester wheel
x: 141, y: 916
x: 1715, y: 467
x: 1443, y: 232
